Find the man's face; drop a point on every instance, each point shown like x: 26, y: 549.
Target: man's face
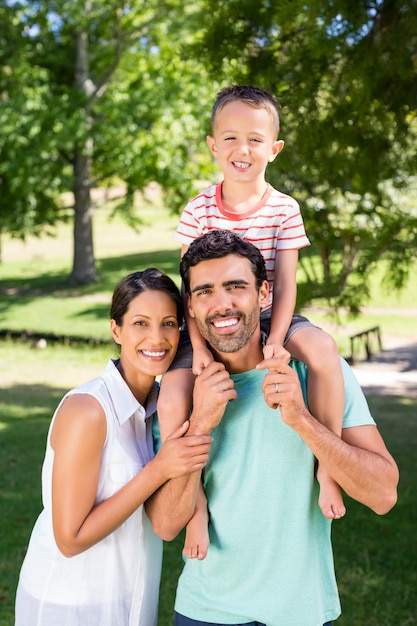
x: 225, y: 302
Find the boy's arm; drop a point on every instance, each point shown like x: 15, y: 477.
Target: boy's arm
x: 284, y: 295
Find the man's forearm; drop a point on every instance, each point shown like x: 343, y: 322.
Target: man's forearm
x: 171, y: 507
x: 359, y: 462
x: 376, y: 478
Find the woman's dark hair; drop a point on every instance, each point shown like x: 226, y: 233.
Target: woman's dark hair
x: 138, y: 282
x: 217, y: 244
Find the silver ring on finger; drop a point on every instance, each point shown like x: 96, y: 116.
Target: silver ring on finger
x: 276, y: 388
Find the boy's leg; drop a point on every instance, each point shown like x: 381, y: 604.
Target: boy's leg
x: 197, y: 538
x: 326, y: 398
x: 174, y: 407
x: 174, y: 400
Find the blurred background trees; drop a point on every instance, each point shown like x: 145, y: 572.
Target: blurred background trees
x: 93, y: 91
x: 97, y: 91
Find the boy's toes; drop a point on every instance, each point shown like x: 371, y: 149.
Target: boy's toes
x: 332, y: 511
x: 190, y: 552
x: 338, y: 511
x: 202, y: 552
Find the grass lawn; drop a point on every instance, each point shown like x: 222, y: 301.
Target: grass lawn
x: 375, y: 556
x: 33, y: 293
x: 34, y: 296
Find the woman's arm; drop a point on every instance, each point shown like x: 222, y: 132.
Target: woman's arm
x: 77, y: 438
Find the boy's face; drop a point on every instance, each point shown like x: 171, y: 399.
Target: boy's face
x: 244, y: 141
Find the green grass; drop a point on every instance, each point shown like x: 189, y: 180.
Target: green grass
x: 375, y: 556
x: 34, y: 295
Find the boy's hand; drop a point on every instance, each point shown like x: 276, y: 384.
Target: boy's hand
x: 201, y: 358
x: 276, y: 351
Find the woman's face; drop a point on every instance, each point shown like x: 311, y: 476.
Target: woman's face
x: 149, y: 334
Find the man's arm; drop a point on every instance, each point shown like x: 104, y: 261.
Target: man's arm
x: 358, y: 461
x: 172, y: 506
x: 378, y: 490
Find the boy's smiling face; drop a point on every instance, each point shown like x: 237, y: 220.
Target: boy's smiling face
x: 244, y: 141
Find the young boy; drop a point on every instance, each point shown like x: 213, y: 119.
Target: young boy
x: 245, y: 127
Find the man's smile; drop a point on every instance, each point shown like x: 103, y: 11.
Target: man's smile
x: 223, y: 323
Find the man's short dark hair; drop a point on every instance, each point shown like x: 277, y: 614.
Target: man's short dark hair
x: 217, y: 244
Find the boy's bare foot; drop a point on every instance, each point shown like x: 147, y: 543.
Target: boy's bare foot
x: 330, y: 498
x: 196, y: 552
x: 196, y: 549
x: 197, y: 538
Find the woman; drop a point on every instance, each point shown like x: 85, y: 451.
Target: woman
x: 93, y: 557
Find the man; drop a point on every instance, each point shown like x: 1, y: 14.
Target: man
x: 270, y: 557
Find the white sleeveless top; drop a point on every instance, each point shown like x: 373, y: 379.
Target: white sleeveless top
x: 116, y: 581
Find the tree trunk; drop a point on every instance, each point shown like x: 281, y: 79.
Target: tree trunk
x: 84, y: 269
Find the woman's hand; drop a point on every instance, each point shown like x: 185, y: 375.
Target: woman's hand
x: 180, y: 454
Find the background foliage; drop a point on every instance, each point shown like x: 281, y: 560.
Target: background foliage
x: 101, y: 93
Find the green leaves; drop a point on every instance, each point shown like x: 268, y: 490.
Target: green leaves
x: 139, y: 111
x: 95, y: 91
x: 344, y: 75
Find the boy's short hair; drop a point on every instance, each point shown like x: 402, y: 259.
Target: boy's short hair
x: 254, y: 96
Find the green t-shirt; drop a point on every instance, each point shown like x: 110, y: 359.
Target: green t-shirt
x: 270, y: 556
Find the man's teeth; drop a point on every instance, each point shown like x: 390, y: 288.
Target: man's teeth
x: 224, y: 323
x: 153, y: 354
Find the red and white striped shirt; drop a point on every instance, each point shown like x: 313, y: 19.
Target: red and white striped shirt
x: 274, y: 224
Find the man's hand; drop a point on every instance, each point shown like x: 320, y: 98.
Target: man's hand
x: 213, y: 389
x: 281, y: 389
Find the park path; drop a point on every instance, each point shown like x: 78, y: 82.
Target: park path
x: 393, y: 371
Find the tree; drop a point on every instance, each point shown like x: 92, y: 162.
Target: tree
x: 94, y: 91
x: 344, y: 74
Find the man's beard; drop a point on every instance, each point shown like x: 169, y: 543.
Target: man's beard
x: 234, y: 341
